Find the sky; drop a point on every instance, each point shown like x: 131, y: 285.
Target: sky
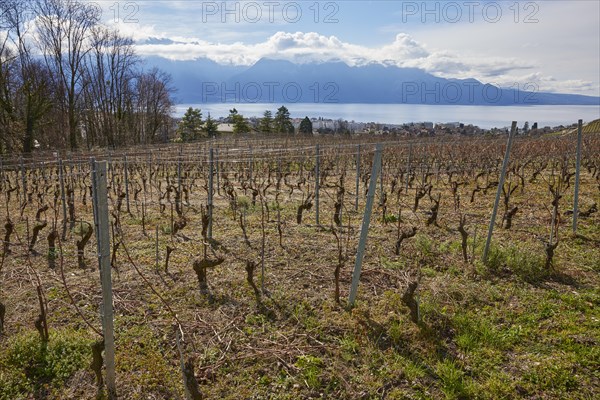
x: 548, y: 45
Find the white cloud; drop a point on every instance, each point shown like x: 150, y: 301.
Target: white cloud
x: 137, y: 32
x: 538, y: 82
x: 301, y: 47
x: 564, y: 44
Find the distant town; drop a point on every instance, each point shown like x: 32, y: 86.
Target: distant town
x: 325, y: 126
x: 192, y: 126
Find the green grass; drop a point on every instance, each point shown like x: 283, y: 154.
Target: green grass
x: 141, y: 356
x: 28, y: 366
x: 311, y: 370
x: 525, y: 262
x: 506, y: 329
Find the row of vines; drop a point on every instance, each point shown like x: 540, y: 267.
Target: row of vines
x: 204, y: 234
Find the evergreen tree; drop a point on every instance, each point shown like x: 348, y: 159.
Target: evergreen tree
x: 240, y: 125
x: 266, y: 122
x: 232, y: 113
x: 210, y: 127
x: 282, y: 121
x: 190, y: 126
x: 341, y: 126
x: 306, y: 126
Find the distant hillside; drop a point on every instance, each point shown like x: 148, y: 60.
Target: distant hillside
x: 592, y: 127
x: 204, y: 81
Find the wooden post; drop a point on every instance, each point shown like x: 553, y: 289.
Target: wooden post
x: 23, y: 179
x: 103, y: 241
x: 94, y: 196
x: 157, y: 255
x: 317, y: 176
x: 364, y: 230
x: 381, y: 179
x: 553, y: 225
x: 408, y: 167
x: 279, y: 173
x: 357, y: 178
x: 577, y: 171
x: 126, y: 172
x: 210, y: 192
x: 250, y: 172
x: 179, y: 179
x: 188, y: 395
x: 513, y: 129
x: 217, y: 172
x: 111, y: 172
x: 63, y: 198
x: 474, y: 245
x: 42, y: 167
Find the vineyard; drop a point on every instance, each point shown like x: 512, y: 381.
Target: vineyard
x: 233, y: 260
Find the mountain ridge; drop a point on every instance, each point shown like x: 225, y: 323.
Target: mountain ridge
x: 281, y: 81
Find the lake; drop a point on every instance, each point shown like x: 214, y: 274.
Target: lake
x: 482, y: 116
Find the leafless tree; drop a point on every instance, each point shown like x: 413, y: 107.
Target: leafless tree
x: 109, y: 76
x: 153, y: 105
x: 64, y: 32
x: 31, y: 91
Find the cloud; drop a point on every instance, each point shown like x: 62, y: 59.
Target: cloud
x: 309, y: 47
x: 405, y: 47
x: 312, y: 47
x: 138, y: 32
x: 538, y: 82
x: 563, y: 44
x: 512, y: 49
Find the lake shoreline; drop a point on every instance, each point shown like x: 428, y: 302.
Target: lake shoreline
x: 486, y: 117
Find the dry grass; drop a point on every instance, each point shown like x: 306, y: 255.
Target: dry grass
x: 503, y: 330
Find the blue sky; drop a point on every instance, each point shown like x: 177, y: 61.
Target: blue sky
x: 549, y: 45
